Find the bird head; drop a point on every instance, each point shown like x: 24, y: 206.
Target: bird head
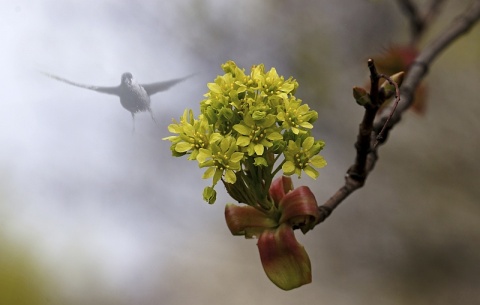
x: 127, y: 78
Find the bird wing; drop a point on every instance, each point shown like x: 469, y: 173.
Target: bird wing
x: 108, y: 90
x: 162, y: 86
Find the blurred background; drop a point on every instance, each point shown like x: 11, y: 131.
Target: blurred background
x: 93, y: 214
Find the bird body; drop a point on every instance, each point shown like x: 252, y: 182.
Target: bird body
x: 134, y: 97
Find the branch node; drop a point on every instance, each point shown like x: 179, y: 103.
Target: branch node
x: 422, y: 65
x: 357, y: 177
x: 325, y: 211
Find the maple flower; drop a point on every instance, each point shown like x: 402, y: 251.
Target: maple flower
x: 257, y: 135
x: 303, y: 157
x: 250, y: 128
x: 221, y: 160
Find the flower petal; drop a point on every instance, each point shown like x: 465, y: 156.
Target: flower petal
x: 236, y: 157
x: 209, y: 173
x: 243, y: 141
x: 311, y: 172
x: 230, y: 176
x: 242, y: 129
x: 214, y: 87
x: 284, y: 260
x: 183, y: 147
x: 218, y: 174
x: 259, y: 149
x: 203, y: 155
x: 308, y: 143
x: 274, y: 136
x: 288, y: 168
x: 318, y: 161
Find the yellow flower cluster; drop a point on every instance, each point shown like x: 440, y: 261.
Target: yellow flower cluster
x: 247, y: 122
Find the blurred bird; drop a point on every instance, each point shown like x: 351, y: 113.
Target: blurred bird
x: 133, y: 96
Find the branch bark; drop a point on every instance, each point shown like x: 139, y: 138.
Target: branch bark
x: 461, y: 25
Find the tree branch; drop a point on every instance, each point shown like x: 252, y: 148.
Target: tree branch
x: 432, y: 10
x: 420, y: 66
x: 357, y: 170
x: 417, y: 71
x: 419, y: 23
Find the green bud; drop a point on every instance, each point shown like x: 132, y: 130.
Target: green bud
x: 259, y: 161
x: 209, y: 195
x: 387, y: 90
x: 258, y: 115
x: 361, y: 96
x: 278, y: 146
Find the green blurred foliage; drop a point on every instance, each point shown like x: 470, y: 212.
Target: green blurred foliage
x: 21, y: 280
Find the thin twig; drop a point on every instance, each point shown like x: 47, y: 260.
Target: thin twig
x: 461, y: 25
x: 418, y: 70
x: 417, y: 23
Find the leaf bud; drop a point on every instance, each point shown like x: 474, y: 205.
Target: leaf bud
x: 387, y: 90
x: 361, y: 96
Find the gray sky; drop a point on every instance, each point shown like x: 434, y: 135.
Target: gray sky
x: 84, y: 191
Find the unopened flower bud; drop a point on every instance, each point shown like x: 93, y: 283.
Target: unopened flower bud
x: 209, y: 195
